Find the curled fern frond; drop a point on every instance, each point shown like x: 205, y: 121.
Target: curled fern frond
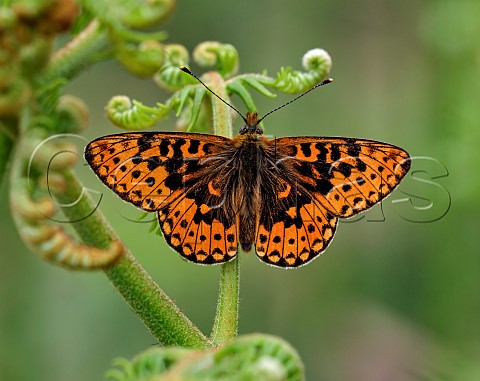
x: 53, y: 182
x: 129, y: 13
x: 147, y: 365
x: 135, y: 15
x: 53, y: 244
x: 128, y: 35
x: 316, y: 62
x: 169, y: 77
x: 143, y: 59
x: 222, y: 57
x: 31, y: 210
x: 46, y: 151
x: 133, y: 115
x: 251, y: 357
x: 34, y: 213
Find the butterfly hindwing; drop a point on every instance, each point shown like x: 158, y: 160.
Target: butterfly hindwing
x: 346, y: 176
x: 293, y: 228
x: 197, y: 226
x: 173, y: 174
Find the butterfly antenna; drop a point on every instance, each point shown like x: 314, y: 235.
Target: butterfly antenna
x: 186, y: 70
x: 323, y: 83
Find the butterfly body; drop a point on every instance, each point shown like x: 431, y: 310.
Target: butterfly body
x: 250, y: 163
x: 212, y: 194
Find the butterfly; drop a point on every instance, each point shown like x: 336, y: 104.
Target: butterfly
x: 212, y: 194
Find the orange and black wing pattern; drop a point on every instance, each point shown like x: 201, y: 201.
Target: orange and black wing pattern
x: 293, y: 227
x: 175, y: 175
x: 317, y: 181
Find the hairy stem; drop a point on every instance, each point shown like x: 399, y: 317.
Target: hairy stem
x: 222, y: 120
x: 226, y: 318
x: 84, y: 50
x: 157, y: 311
x: 225, y: 325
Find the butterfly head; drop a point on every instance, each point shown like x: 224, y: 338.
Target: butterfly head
x: 251, y: 127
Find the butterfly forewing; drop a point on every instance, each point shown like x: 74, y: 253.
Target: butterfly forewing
x: 173, y: 174
x: 346, y: 176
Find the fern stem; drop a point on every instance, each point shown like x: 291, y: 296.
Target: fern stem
x: 157, y: 311
x: 85, y: 49
x: 225, y: 325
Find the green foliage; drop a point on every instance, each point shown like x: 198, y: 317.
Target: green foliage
x: 147, y: 365
x: 188, y: 97
x: 248, y: 358
x: 36, y: 115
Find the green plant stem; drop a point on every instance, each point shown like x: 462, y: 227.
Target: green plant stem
x: 85, y: 49
x: 225, y: 325
x: 222, y: 120
x: 157, y: 311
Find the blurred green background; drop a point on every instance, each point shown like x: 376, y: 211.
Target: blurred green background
x: 397, y: 294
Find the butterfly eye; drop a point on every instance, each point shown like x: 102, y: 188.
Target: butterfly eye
x: 258, y: 130
x: 243, y: 130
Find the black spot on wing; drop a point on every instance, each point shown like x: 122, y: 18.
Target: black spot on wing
x: 163, y: 147
x: 353, y: 149
x: 153, y: 162
x: 144, y: 142
x: 306, y: 150
x: 344, y: 168
x: 322, y: 156
x: 177, y: 148
x: 194, y: 145
x: 361, y: 166
x: 174, y: 181
x: 324, y: 186
x: 334, y: 152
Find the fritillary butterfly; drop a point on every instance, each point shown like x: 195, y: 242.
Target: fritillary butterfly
x: 211, y: 193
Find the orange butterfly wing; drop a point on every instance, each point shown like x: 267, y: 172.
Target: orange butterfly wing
x: 175, y: 175
x: 319, y: 180
x: 293, y: 227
